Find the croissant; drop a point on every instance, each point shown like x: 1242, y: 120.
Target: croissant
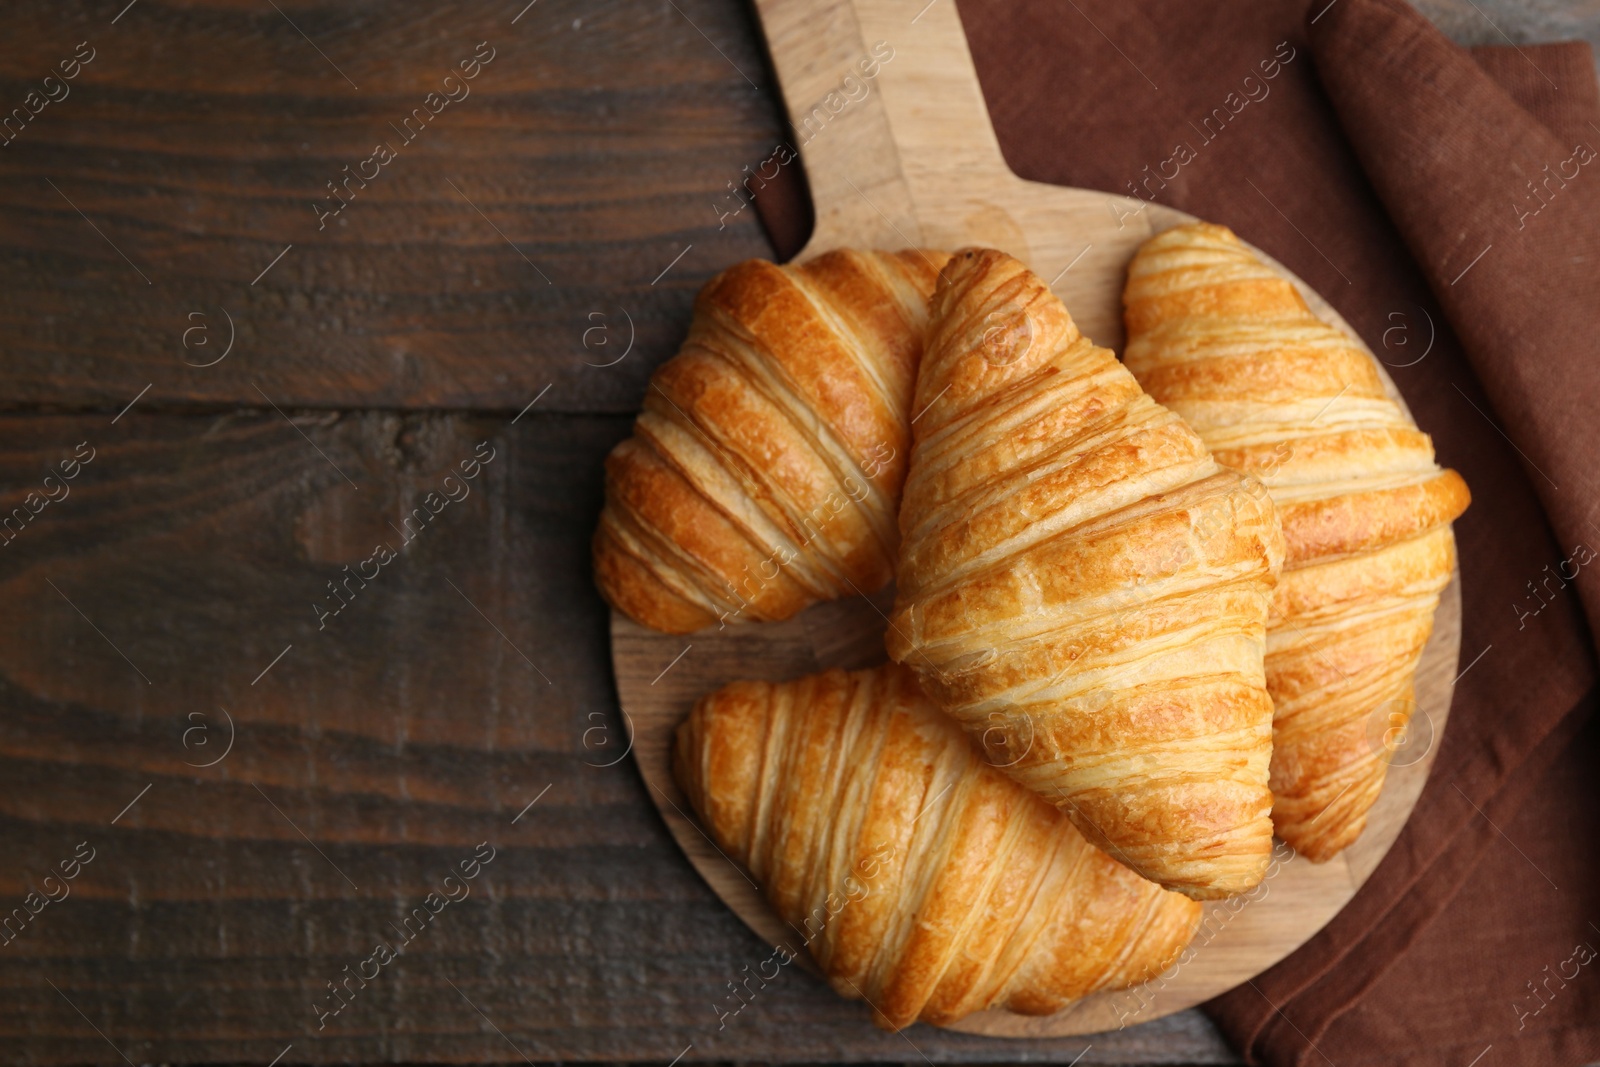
x: 923, y: 881
x: 1080, y: 580
x: 765, y: 470
x: 1229, y: 344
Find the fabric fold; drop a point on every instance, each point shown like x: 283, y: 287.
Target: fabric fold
x: 1377, y: 160
x: 1501, y: 209
x: 1466, y: 156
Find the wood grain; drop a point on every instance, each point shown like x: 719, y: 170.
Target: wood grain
x: 396, y: 739
x: 593, y: 150
x: 206, y: 924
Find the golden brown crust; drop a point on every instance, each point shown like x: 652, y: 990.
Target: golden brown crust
x: 922, y: 880
x: 1079, y: 576
x: 637, y: 590
x: 1229, y: 344
x: 1365, y: 520
x: 765, y: 470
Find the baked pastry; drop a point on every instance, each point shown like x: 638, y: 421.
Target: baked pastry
x: 765, y: 469
x: 923, y: 881
x: 1079, y: 578
x: 1228, y: 343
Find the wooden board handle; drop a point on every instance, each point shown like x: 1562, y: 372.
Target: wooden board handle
x: 882, y: 96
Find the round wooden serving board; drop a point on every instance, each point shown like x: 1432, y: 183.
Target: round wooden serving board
x: 911, y: 160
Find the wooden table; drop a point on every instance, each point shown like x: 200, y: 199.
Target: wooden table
x: 268, y: 786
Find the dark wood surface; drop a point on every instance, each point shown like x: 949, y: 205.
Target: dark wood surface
x: 169, y: 601
x: 465, y: 680
x: 588, y: 154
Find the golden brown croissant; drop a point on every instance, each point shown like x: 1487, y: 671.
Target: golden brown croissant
x: 1080, y: 579
x: 1229, y: 344
x: 765, y: 469
x: 923, y: 880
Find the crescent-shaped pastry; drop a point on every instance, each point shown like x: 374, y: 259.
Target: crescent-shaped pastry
x: 1080, y: 578
x: 1228, y: 343
x: 765, y: 470
x: 921, y: 879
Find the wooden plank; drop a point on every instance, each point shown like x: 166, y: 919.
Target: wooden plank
x: 183, y: 558
x: 206, y: 925
x: 511, y: 244
x: 600, y: 141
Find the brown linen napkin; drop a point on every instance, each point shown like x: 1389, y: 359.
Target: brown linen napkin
x: 1480, y: 165
x: 1461, y: 943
